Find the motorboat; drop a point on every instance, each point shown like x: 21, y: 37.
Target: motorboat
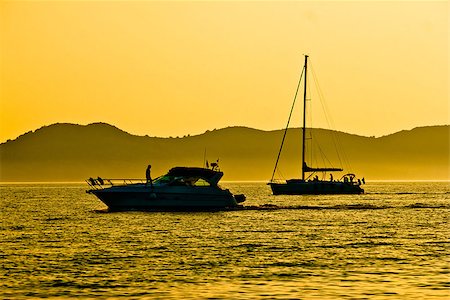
x: 182, y: 188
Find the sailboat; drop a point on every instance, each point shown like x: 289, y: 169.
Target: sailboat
x: 309, y: 183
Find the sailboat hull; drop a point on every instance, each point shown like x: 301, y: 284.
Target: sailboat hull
x: 300, y: 187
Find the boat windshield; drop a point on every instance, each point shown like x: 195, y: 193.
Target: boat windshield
x: 163, y: 180
x: 181, y: 181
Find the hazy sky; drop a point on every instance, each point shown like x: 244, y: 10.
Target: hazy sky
x: 176, y: 68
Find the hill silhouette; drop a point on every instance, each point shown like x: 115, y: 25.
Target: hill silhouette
x: 70, y: 152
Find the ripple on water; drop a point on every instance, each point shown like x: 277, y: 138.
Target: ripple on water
x: 389, y: 243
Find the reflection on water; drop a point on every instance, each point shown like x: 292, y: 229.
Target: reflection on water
x: 392, y: 242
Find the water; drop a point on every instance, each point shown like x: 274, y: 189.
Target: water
x: 392, y: 242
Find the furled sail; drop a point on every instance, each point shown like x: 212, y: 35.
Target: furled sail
x: 309, y: 169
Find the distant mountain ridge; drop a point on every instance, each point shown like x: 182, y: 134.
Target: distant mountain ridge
x: 71, y: 152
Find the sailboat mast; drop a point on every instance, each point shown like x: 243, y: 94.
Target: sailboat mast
x: 304, y: 121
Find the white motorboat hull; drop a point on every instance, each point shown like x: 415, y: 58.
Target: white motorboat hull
x: 145, y: 197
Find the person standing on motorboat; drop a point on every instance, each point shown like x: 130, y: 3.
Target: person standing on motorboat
x: 148, y: 176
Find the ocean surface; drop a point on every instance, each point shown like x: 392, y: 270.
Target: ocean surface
x: 393, y: 242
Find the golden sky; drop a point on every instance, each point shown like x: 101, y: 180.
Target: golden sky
x: 178, y: 67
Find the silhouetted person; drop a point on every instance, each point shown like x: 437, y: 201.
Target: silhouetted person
x: 148, y: 176
x: 359, y: 181
x: 331, y: 177
x: 363, y: 181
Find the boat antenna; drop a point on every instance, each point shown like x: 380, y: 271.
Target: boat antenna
x: 204, y: 158
x: 287, y: 125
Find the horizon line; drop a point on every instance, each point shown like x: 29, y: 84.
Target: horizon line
x: 225, y: 181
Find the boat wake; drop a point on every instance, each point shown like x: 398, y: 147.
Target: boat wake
x: 312, y: 207
x: 272, y: 207
x: 340, y: 207
x: 406, y: 193
x: 424, y: 205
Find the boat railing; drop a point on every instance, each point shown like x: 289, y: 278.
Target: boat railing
x: 101, y: 183
x: 278, y: 181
